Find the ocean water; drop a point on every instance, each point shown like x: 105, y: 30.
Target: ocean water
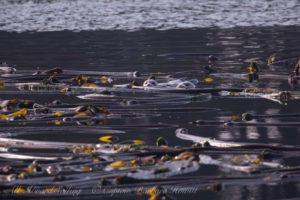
x: 168, y: 37
x: 132, y: 15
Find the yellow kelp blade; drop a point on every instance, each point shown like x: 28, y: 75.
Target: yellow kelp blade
x: 89, y: 85
x: 51, y: 190
x: 268, y: 90
x: 3, y: 117
x: 82, y: 114
x: 58, y: 114
x: 138, y: 142
x: 118, y: 164
x: 208, y: 80
x: 84, y: 78
x: 234, y: 117
x: 86, y: 168
x: 251, y: 70
x: 103, y: 109
x: 2, y: 84
x: 20, y: 112
x: 63, y: 90
x: 152, y: 191
x: 257, y: 162
x: 106, y: 138
x: 19, y: 190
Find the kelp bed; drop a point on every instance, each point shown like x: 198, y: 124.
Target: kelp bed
x: 114, y: 167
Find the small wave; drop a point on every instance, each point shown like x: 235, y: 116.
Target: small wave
x: 131, y: 15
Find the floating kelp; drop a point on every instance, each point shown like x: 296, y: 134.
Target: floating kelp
x: 168, y: 168
x: 182, y: 133
x: 7, y: 68
x: 91, y: 162
x: 282, y: 97
x: 228, y: 123
x: 178, y: 83
x: 114, y: 109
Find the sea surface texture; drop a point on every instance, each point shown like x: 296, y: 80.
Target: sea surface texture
x: 131, y: 15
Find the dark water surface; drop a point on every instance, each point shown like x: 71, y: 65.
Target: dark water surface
x: 150, y: 51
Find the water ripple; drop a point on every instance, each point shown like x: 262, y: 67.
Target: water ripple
x: 131, y: 15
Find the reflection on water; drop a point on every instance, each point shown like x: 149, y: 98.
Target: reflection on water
x: 273, y: 132
x: 225, y: 135
x: 252, y: 132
